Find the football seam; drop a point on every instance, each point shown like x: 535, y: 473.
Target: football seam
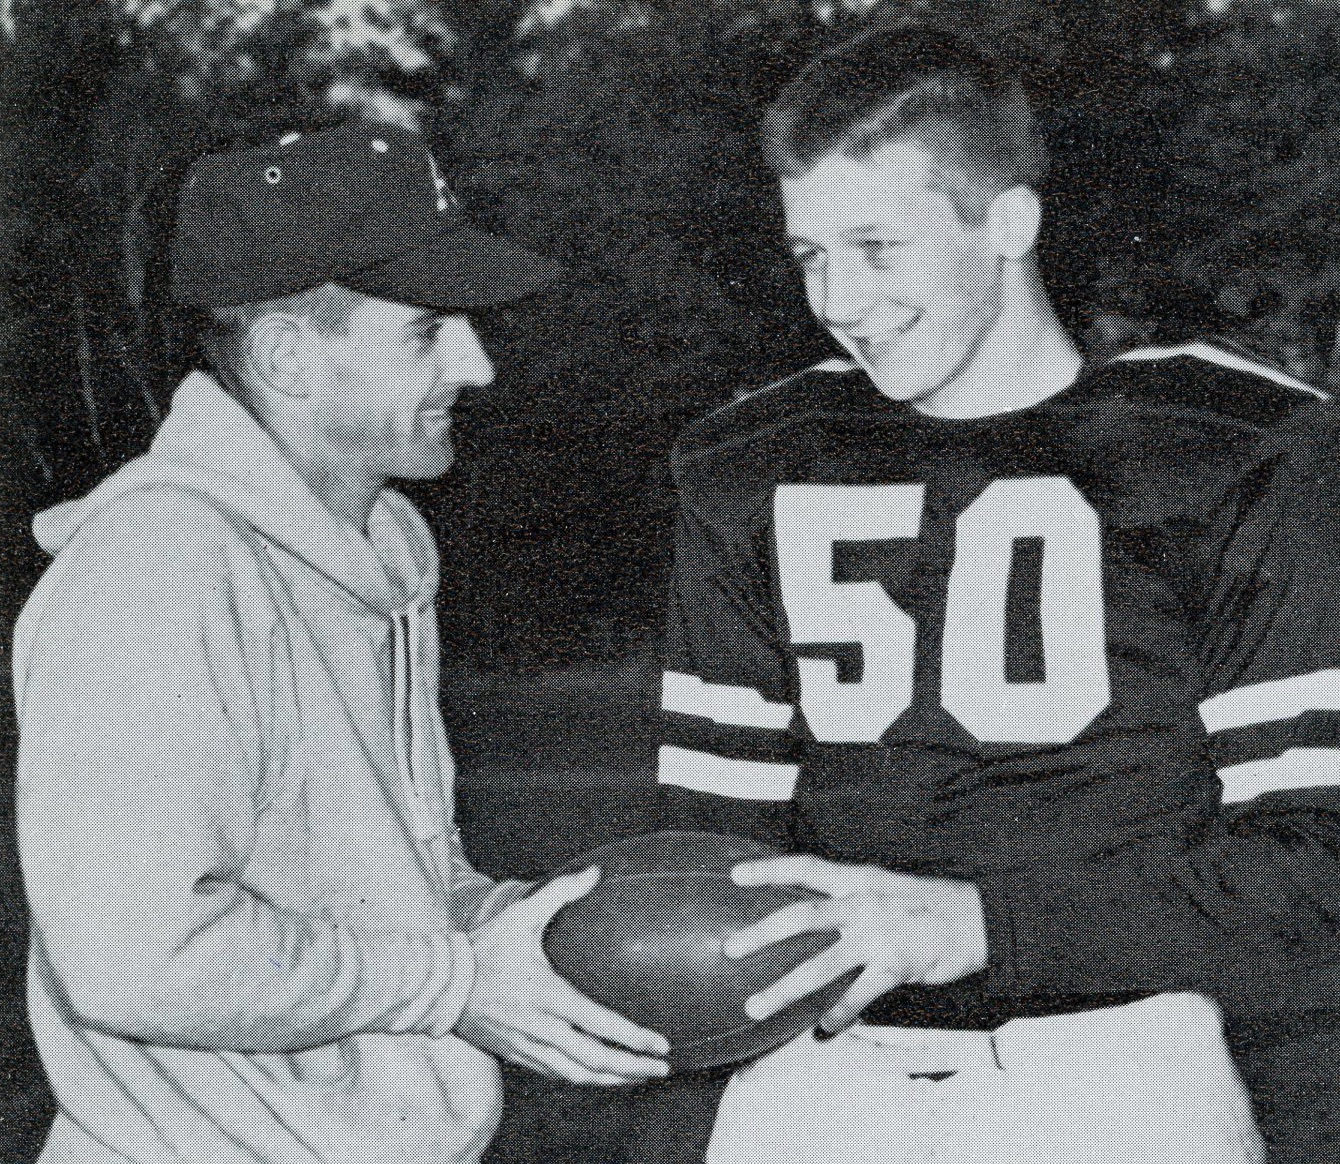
x: 681, y: 1045
x: 706, y: 873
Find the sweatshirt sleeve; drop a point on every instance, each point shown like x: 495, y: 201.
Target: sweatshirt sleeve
x: 146, y: 709
x: 475, y: 898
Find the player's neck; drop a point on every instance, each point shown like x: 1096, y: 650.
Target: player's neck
x: 1025, y: 358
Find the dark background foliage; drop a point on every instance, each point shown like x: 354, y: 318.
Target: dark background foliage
x: 1193, y: 190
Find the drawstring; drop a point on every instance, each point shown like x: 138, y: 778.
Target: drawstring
x: 410, y: 729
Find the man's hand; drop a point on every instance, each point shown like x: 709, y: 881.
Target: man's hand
x: 521, y: 1010
x: 901, y: 930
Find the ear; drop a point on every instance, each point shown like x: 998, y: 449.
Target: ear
x: 1014, y: 220
x: 275, y: 345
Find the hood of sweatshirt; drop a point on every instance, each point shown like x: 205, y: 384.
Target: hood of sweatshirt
x: 210, y: 443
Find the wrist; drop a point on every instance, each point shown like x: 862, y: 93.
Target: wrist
x: 977, y: 949
x: 465, y: 973
x: 971, y: 952
x: 961, y: 924
x: 446, y: 988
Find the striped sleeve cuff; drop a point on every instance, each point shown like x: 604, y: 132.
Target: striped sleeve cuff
x: 1276, y: 736
x: 1278, y: 699
x: 726, y: 739
x: 720, y: 776
x: 1294, y: 769
x: 723, y: 703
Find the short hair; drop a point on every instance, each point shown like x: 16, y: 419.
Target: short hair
x: 921, y: 86
x: 223, y: 331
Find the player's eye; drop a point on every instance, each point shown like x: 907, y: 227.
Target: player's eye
x: 879, y: 252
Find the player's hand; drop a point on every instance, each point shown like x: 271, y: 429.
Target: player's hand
x: 521, y: 1010
x: 898, y: 930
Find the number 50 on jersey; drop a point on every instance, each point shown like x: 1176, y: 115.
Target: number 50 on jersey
x: 974, y: 689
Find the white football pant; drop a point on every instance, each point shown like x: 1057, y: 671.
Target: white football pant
x: 1150, y: 1082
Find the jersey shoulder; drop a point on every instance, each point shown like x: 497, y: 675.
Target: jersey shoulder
x: 1211, y: 383
x: 833, y: 387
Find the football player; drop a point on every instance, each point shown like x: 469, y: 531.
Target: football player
x: 1033, y: 669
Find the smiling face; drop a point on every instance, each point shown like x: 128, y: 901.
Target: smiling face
x: 901, y: 280
x: 387, y: 387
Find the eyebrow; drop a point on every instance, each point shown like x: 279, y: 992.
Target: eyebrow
x: 853, y: 235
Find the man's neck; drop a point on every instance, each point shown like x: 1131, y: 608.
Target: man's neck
x: 344, y: 490
x: 349, y: 496
x: 1027, y: 357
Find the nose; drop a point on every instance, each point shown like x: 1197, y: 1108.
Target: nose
x: 482, y: 371
x: 840, y: 295
x: 476, y: 369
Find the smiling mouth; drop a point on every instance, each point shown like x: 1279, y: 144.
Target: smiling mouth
x: 869, y: 345
x: 437, y: 408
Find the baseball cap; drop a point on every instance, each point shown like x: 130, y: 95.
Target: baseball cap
x: 365, y: 206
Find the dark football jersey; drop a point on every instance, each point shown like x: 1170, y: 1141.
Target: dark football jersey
x: 1029, y: 650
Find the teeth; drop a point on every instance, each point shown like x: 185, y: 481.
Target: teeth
x: 896, y: 332
x: 868, y: 343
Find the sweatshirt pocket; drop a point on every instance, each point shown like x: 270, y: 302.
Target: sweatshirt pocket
x: 402, y: 1098
x: 332, y: 1065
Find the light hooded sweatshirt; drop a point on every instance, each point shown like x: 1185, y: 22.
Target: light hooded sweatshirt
x: 235, y: 816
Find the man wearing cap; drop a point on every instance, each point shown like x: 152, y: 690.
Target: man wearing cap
x: 255, y: 935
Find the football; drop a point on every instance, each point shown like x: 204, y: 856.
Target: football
x: 647, y: 942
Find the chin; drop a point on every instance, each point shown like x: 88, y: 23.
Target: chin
x: 427, y: 466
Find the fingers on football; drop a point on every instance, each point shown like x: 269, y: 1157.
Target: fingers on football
x: 570, y: 1005
x: 797, y: 918
x: 549, y: 899
x: 809, y: 976
x: 859, y: 995
x: 545, y: 1059
x: 594, y: 1054
x: 801, y: 869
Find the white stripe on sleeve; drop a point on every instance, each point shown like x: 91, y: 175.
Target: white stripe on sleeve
x: 1295, y: 768
x: 737, y: 779
x: 722, y: 703
x: 1275, y: 700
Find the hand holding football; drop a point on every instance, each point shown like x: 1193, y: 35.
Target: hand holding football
x: 895, y: 930
x: 521, y: 1011
x: 649, y: 942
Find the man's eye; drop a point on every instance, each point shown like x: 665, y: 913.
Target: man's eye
x: 807, y: 257
x: 428, y: 331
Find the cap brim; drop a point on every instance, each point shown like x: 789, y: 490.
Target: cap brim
x: 456, y: 269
